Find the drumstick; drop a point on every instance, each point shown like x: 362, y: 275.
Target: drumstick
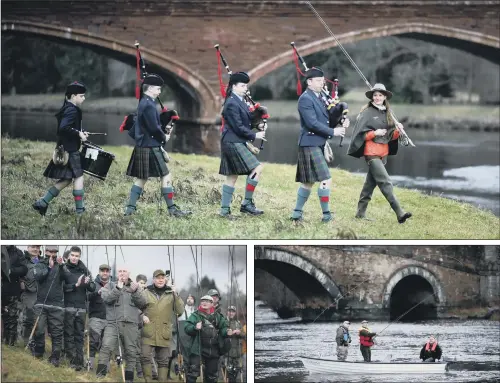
x: 97, y: 134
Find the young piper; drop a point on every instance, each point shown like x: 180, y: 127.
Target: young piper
x: 236, y: 158
x: 311, y: 164
x: 147, y: 159
x: 70, y: 134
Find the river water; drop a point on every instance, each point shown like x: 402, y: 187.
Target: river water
x: 472, y: 345
x: 462, y: 164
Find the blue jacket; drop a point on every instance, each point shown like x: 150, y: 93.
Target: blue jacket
x: 314, y: 128
x: 69, y: 125
x: 237, y: 119
x: 147, y: 131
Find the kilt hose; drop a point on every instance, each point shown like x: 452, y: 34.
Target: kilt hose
x: 73, y: 169
x: 147, y: 162
x: 236, y: 159
x: 311, y: 165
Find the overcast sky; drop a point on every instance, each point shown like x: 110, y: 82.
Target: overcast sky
x: 213, y: 261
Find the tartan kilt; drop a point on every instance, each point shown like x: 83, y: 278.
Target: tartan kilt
x: 73, y: 169
x: 236, y: 159
x: 147, y: 162
x: 311, y: 165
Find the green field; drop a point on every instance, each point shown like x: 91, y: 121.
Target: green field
x: 198, y: 188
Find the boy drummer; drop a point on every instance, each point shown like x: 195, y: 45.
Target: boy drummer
x: 70, y: 135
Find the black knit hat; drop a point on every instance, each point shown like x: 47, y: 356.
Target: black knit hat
x: 75, y: 87
x: 153, y: 79
x: 239, y: 77
x: 314, y: 72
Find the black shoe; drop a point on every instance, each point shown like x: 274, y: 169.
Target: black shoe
x: 228, y: 215
x: 297, y: 219
x: 80, y: 212
x: 175, y: 211
x: 129, y: 210
x: 250, y: 208
x: 40, y: 208
x: 327, y: 217
x: 404, y: 217
x: 55, y: 362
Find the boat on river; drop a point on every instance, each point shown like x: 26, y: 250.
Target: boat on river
x: 330, y: 366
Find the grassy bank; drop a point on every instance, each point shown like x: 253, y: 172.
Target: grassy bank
x: 19, y: 366
x: 198, y: 188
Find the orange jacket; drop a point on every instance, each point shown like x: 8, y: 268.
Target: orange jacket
x: 375, y: 149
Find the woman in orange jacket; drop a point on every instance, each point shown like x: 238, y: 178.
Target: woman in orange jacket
x: 375, y: 137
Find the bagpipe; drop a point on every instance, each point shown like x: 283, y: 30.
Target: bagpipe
x: 167, y: 117
x: 259, y: 113
x: 337, y: 111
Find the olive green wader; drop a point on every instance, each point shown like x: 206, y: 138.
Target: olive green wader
x: 377, y: 176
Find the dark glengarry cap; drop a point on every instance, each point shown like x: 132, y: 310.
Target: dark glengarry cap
x: 104, y: 267
x: 75, y: 87
x: 239, y: 77
x: 153, y: 79
x: 314, y: 72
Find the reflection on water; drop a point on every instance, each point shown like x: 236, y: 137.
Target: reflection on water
x: 472, y: 347
x: 463, y: 165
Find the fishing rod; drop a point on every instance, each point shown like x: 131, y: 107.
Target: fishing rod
x: 119, y: 357
x: 405, y: 139
x: 179, y: 354
x: 195, y: 259
x: 341, y: 296
x: 240, y: 359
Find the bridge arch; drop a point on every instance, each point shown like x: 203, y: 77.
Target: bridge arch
x: 197, y: 101
x: 413, y: 292
x: 299, y: 274
x: 479, y: 44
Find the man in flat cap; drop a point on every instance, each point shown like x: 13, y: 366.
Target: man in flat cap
x: 315, y: 131
x: 97, y: 312
x: 208, y: 330
x: 123, y: 300
x: 366, y: 341
x: 66, y: 166
x: 236, y: 158
x: 343, y: 338
x: 162, y: 303
x: 148, y: 159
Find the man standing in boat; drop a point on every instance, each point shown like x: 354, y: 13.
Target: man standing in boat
x: 343, y: 339
x: 366, y: 341
x: 431, y: 350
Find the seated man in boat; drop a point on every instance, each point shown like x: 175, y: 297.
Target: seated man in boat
x: 366, y: 341
x: 343, y: 339
x: 431, y: 350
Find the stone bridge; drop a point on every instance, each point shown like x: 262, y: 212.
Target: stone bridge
x: 178, y: 36
x: 384, y: 282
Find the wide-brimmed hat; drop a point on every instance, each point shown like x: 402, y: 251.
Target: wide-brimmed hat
x: 378, y: 88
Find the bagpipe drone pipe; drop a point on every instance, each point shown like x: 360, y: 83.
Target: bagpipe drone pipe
x: 259, y: 113
x: 337, y: 111
x: 167, y: 117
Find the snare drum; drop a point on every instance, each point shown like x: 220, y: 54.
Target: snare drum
x: 95, y: 161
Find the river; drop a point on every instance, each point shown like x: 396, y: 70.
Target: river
x: 472, y: 345
x: 463, y: 164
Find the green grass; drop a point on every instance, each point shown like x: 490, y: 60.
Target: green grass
x: 19, y: 366
x: 198, y: 188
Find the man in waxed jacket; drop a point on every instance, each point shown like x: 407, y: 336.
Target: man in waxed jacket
x: 161, y: 303
x: 123, y: 300
x: 208, y: 330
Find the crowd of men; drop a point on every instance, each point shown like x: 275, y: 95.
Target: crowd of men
x: 136, y: 325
